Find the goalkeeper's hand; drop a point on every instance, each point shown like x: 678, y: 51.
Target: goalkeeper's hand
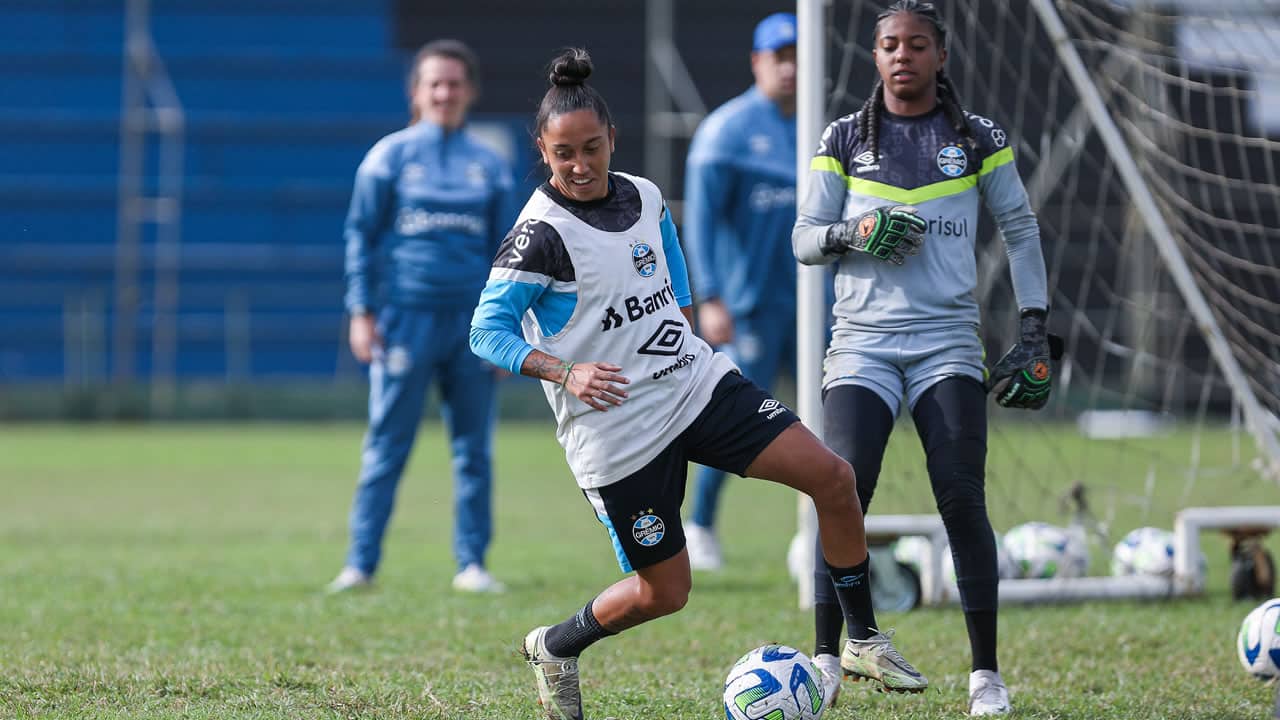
x: 1024, y: 376
x: 891, y: 233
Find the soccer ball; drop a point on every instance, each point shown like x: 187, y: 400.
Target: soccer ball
x: 1258, y: 645
x: 910, y: 550
x: 773, y: 682
x: 1041, y: 550
x: 1146, y: 551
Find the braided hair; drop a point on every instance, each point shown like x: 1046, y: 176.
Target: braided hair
x: 869, y: 119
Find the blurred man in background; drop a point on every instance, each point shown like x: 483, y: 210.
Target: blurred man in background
x: 739, y: 209
x: 429, y: 207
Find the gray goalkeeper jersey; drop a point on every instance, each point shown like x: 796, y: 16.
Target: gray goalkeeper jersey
x: 925, y: 162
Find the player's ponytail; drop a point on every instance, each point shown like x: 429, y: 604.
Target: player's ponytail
x: 569, y: 91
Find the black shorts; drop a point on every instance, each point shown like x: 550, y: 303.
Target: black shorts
x: 642, y: 510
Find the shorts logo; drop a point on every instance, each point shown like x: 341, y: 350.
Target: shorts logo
x: 771, y: 409
x: 647, y: 528
x: 646, y: 261
x: 952, y: 161
x: 668, y: 339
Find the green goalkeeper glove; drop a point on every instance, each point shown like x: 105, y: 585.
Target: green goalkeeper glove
x: 1024, y: 376
x: 891, y: 233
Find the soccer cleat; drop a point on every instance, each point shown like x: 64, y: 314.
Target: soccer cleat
x: 558, y: 691
x: 987, y: 694
x: 829, y: 666
x: 349, y: 579
x: 476, y: 579
x: 704, y: 548
x: 877, y: 659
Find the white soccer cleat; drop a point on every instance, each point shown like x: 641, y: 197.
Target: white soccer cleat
x: 829, y: 666
x: 558, y: 691
x: 877, y: 659
x: 988, y: 694
x: 349, y: 579
x: 476, y: 579
x: 704, y: 548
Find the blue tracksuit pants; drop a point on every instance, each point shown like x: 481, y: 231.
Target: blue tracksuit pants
x: 420, y: 345
x: 763, y: 342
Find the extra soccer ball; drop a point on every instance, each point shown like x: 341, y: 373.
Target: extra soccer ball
x: 773, y: 682
x: 1145, y: 551
x: 910, y: 550
x: 1041, y: 550
x: 1258, y: 645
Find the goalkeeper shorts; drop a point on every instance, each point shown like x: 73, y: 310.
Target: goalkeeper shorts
x: 897, y: 364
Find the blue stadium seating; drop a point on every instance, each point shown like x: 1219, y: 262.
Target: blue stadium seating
x: 282, y: 99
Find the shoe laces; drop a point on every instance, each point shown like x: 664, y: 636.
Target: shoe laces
x: 886, y: 648
x: 562, y: 679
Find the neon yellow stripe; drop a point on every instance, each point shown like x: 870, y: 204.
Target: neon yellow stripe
x: 1004, y: 157
x: 933, y: 191
x: 871, y: 188
x: 828, y: 164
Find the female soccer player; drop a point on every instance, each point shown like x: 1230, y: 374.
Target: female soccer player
x: 593, y: 268
x: 907, y: 321
x: 429, y: 206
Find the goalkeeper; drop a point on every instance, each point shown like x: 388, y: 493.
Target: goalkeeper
x: 892, y: 198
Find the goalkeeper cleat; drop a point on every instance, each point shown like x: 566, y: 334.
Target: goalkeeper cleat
x: 829, y: 666
x: 988, y: 694
x: 558, y: 691
x: 704, y: 548
x: 877, y: 659
x: 476, y: 579
x: 349, y: 579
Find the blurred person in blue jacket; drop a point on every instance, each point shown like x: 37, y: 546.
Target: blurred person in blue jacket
x: 428, y: 208
x: 740, y: 205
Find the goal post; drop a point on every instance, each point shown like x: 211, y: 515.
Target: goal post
x: 1139, y: 129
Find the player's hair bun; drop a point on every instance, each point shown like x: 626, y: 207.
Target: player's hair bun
x: 571, y: 67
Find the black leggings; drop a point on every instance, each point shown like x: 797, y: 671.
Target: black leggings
x: 951, y: 419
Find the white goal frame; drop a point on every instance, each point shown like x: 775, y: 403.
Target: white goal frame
x: 811, y: 58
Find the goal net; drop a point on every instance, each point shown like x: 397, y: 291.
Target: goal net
x: 1153, y: 174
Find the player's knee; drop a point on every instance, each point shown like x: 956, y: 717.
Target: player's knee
x: 659, y: 600
x: 837, y: 490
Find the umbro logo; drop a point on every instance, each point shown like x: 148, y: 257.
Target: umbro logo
x: 668, y: 339
x: 866, y: 162
x: 771, y: 409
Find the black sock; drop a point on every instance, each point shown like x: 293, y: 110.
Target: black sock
x: 853, y: 588
x: 827, y: 618
x: 571, y: 637
x: 982, y: 638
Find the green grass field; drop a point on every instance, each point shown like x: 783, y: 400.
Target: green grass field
x: 148, y: 572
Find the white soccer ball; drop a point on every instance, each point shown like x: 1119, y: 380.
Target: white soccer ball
x: 773, y: 682
x: 1041, y: 550
x: 1145, y: 551
x: 1258, y: 644
x: 910, y: 550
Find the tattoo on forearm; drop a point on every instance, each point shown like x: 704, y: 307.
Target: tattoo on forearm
x: 545, y: 367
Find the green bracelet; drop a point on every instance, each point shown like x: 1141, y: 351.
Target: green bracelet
x: 568, y: 368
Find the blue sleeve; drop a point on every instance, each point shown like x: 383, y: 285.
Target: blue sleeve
x: 706, y: 200
x: 495, y: 326
x: 675, y: 261
x: 371, y: 201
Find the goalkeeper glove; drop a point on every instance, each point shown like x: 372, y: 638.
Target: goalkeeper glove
x: 891, y: 233
x: 1024, y: 376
